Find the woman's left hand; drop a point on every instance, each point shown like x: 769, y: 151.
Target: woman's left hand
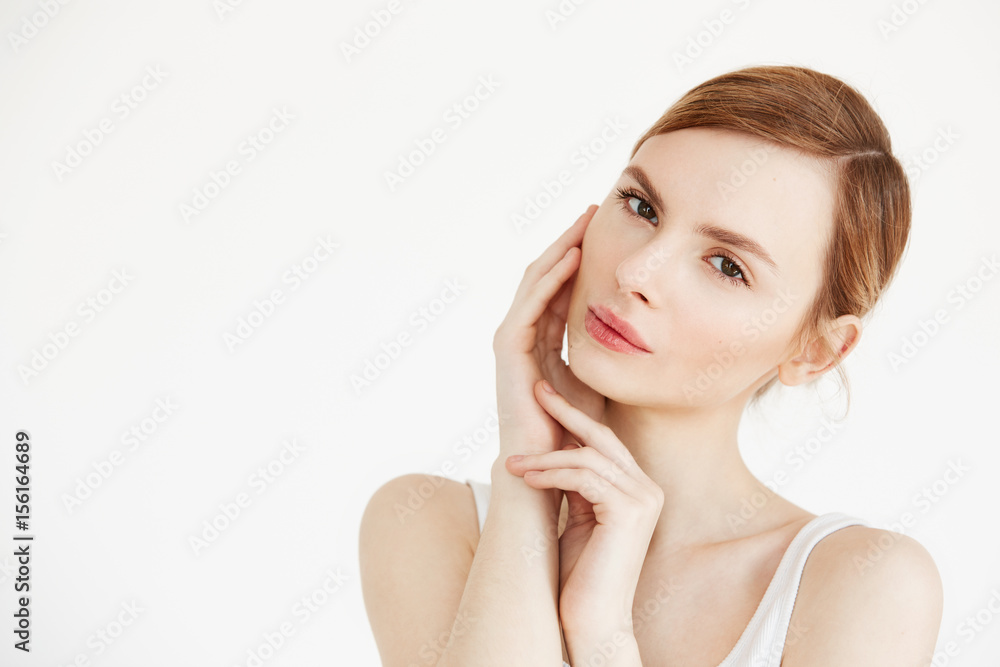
x: 613, y: 509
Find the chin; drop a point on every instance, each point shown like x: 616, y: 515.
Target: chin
x: 605, y: 372
x: 597, y: 369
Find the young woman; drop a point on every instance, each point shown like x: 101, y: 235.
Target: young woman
x: 758, y: 220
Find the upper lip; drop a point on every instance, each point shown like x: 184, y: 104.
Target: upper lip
x: 626, y: 330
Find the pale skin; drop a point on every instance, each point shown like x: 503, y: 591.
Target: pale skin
x: 644, y: 498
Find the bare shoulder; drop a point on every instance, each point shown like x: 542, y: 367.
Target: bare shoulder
x: 430, y: 502
x: 416, y: 546
x: 867, y: 597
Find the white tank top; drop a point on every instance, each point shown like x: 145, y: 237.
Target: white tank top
x: 763, y: 640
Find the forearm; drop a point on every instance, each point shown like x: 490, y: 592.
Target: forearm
x: 616, y: 648
x: 510, y: 602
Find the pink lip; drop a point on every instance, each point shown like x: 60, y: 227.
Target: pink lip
x: 613, y: 332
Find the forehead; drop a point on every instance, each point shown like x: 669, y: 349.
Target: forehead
x: 779, y: 196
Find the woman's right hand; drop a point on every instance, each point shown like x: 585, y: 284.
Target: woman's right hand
x: 528, y: 348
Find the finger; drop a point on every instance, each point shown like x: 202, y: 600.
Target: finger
x: 538, y: 296
x: 546, y: 276
x: 513, y: 462
x: 579, y: 458
x: 587, y: 430
x: 591, y: 486
x: 573, y: 234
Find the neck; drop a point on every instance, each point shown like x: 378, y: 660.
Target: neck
x: 694, y: 457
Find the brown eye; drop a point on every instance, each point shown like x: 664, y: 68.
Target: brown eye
x: 645, y: 210
x: 729, y: 268
x: 642, y: 209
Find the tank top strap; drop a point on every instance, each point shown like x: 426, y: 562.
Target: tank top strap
x: 481, y: 496
x: 763, y: 641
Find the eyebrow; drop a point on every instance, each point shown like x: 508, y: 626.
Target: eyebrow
x: 640, y: 177
x: 737, y: 240
x: 720, y: 234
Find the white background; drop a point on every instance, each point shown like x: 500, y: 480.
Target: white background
x: 323, y: 175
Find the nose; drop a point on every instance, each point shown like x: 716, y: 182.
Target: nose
x: 637, y: 274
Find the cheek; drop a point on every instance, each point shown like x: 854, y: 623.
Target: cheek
x: 741, y: 343
x: 595, y: 277
x: 598, y: 262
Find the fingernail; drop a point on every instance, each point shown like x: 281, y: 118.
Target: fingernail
x: 547, y: 387
x: 515, y: 458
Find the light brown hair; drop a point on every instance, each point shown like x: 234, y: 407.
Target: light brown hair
x: 821, y: 116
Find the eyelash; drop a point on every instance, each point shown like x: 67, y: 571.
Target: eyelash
x: 626, y: 193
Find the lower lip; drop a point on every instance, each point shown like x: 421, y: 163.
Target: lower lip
x: 608, y: 337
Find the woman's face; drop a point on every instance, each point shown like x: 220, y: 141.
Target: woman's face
x: 710, y: 246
